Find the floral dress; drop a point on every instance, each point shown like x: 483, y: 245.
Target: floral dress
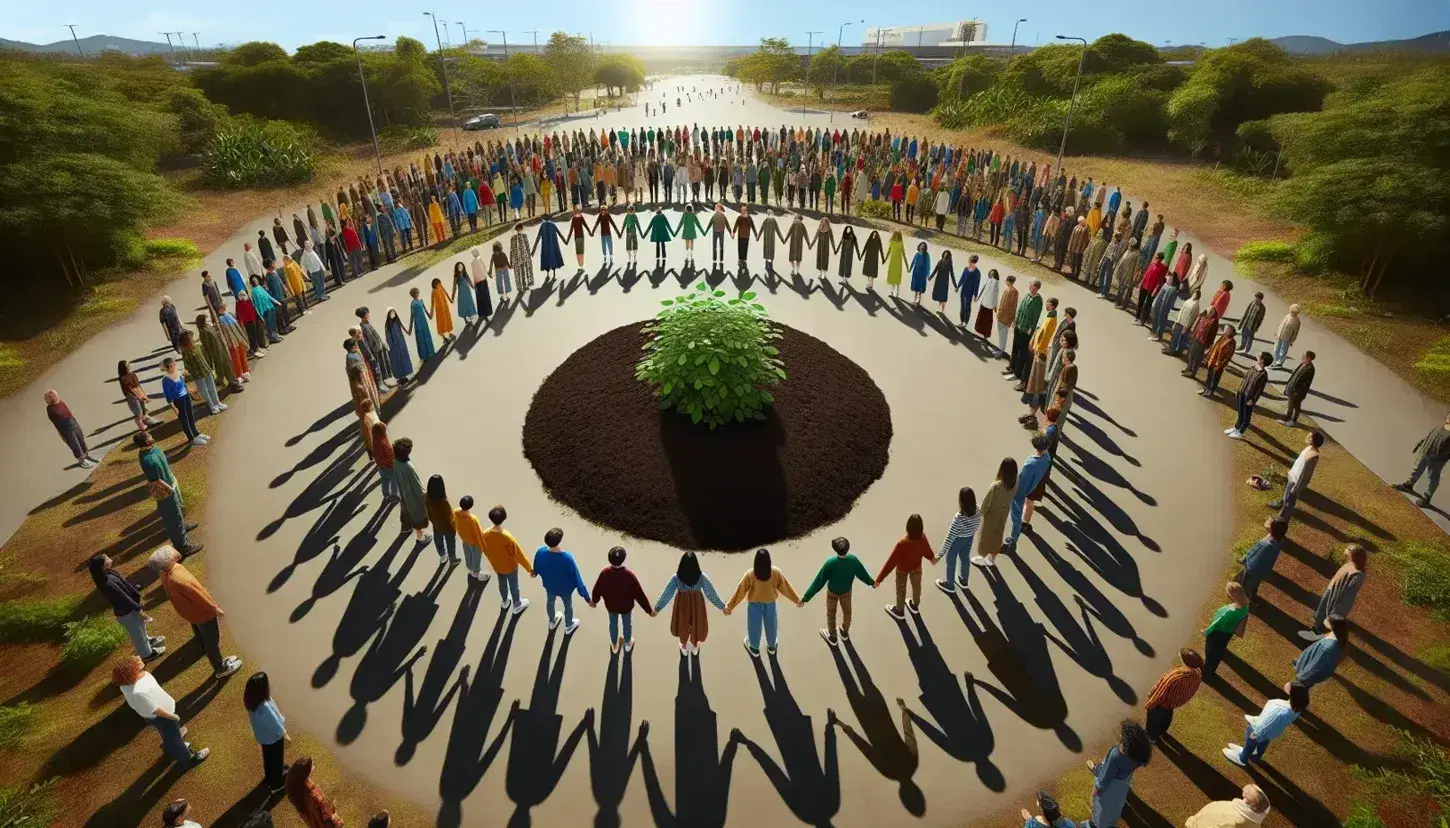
x: 521, y: 256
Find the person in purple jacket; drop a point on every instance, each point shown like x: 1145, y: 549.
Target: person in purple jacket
x: 620, y: 590
x: 556, y: 568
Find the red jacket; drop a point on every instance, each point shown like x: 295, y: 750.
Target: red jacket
x: 1154, y: 277
x: 1220, y: 302
x: 1206, y: 328
x: 619, y: 589
x: 350, y: 241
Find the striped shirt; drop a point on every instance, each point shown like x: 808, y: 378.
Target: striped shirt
x: 963, y: 527
x: 1175, y: 688
x: 703, y: 585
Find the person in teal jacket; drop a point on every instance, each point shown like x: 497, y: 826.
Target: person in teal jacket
x: 660, y: 233
x: 837, y: 575
x: 562, y: 580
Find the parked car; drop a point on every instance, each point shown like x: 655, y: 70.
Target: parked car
x: 485, y: 121
x: 860, y: 115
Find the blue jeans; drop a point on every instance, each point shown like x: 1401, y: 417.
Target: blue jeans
x: 1161, y: 313
x: 1246, y: 339
x: 446, y: 543
x: 319, y: 286
x: 606, y: 244
x: 389, y: 480
x: 502, y: 281
x: 760, y: 614
x: 508, y: 587
x: 270, y: 317
x: 1180, y: 339
x: 174, y: 520
x: 1105, y: 276
x: 1431, y: 467
x: 1253, y: 749
x: 959, y: 549
x: 207, y: 387
x: 1019, y: 504
x: 614, y: 621
x: 1281, y: 352
x: 568, y: 599
x: 171, y: 739
x: 1246, y: 415
x: 135, y: 627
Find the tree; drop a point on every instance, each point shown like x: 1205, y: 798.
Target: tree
x: 1244, y: 82
x: 619, y: 72
x: 322, y: 53
x: 571, y: 62
x: 891, y: 67
x: 253, y: 53
x: 965, y: 76
x: 826, y: 68
x: 776, y: 62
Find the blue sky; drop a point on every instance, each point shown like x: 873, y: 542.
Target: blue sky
x: 730, y: 22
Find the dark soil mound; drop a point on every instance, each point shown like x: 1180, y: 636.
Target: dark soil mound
x: 602, y: 446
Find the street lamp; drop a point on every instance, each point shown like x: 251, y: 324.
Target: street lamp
x: 1072, y: 104
x: 443, y: 59
x: 513, y: 101
x: 72, y: 28
x: 1019, y: 22
x: 377, y: 153
x: 877, y: 62
x: 839, y: 60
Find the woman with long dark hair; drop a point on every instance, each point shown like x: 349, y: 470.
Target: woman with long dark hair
x: 1113, y: 776
x: 311, y: 803
x: 414, y: 509
x: 760, y: 587
x: 125, y: 601
x: 440, y: 515
x: 689, y: 588
x: 996, y: 508
x: 269, y: 727
x: 958, y: 544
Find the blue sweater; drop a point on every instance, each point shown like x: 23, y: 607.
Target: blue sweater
x: 268, y: 723
x: 559, y: 573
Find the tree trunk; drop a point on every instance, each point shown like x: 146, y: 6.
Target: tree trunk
x: 1383, y: 269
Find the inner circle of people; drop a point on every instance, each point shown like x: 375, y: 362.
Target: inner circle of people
x: 603, y: 179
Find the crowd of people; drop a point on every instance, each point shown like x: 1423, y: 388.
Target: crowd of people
x: 1079, y: 228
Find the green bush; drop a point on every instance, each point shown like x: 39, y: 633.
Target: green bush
x: 1265, y: 251
x: 1314, y: 253
x: 171, y: 249
x: 32, y: 807
x: 1437, y: 359
x: 31, y: 621
x: 16, y: 720
x: 90, y: 640
x: 914, y: 93
x: 401, y: 138
x: 128, y: 249
x: 711, y: 358
x: 875, y: 208
x: 252, y: 153
x: 1425, y: 569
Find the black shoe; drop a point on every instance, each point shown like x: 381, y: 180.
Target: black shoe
x: 1028, y: 530
x: 192, y: 527
x: 1405, y: 487
x: 190, y: 549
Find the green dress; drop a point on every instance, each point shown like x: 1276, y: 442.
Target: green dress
x: 895, y: 258
x: 690, y: 227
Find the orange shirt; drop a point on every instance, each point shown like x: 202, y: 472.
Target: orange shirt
x: 907, y: 556
x: 188, y: 597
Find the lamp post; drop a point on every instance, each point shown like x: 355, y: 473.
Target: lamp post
x: 836, y: 79
x: 377, y: 153
x: 443, y: 59
x: 513, y: 101
x: 72, y: 28
x: 170, y: 45
x: 1072, y: 104
x: 1019, y: 22
x: 877, y: 62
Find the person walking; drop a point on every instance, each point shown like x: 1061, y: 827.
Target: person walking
x: 269, y: 728
x: 145, y: 695
x: 1259, y: 561
x: 689, y: 588
x: 906, y: 561
x: 70, y: 429
x: 195, y: 606
x: 1113, y: 776
x: 561, y: 578
x: 1430, y: 455
x: 1256, y: 379
x: 1340, y: 594
x: 1248, y: 811
x: 1270, y: 724
x: 1228, y: 621
x: 1300, y: 474
x: 619, y: 588
x: 837, y: 575
x: 505, y: 556
x: 1296, y: 388
x: 312, y: 804
x: 996, y: 509
x: 1320, y: 659
x: 161, y: 485
x: 125, y: 600
x: 1172, y: 690
x: 760, y: 587
x: 957, y: 547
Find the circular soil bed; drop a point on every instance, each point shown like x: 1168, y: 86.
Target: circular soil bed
x: 602, y: 446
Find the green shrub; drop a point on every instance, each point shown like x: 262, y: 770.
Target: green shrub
x: 253, y: 153
x: 128, y: 249
x: 1265, y: 251
x: 875, y: 208
x: 1314, y: 253
x: 16, y: 720
x: 914, y: 93
x: 90, y: 640
x: 171, y: 249
x: 711, y: 358
x: 1363, y: 815
x: 31, y: 621
x: 32, y: 807
x: 1425, y: 569
x: 401, y: 138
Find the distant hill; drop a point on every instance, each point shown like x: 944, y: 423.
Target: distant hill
x: 92, y: 45
x: 1311, y: 45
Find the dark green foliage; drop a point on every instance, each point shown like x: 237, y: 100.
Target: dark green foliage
x: 619, y: 73
x: 16, y: 722
x: 875, y: 208
x: 711, y: 358
x: 964, y: 77
x: 197, y: 118
x: 395, y: 139
x: 248, y: 152
x: 1425, y: 570
x: 90, y: 641
x: 31, y: 621
x: 914, y: 93
x: 254, y: 53
x: 1244, y: 82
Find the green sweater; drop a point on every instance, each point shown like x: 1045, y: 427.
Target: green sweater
x: 1226, y: 619
x: 836, y: 574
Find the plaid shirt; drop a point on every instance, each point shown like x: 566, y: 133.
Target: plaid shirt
x: 1175, y: 688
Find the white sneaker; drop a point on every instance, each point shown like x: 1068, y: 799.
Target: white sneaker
x: 199, y: 440
x: 945, y: 586
x: 1229, y: 430
x: 88, y: 464
x: 694, y: 649
x: 221, y: 407
x: 1236, y: 435
x: 556, y: 620
x: 571, y: 627
x: 685, y: 650
x: 628, y: 645
x: 1310, y: 635
x: 522, y: 605
x: 1232, y: 753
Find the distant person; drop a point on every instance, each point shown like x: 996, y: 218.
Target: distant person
x: 1288, y: 332
x: 1430, y: 455
x: 1271, y: 723
x: 837, y: 575
x: 70, y: 429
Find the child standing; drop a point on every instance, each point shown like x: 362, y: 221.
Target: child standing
x: 958, y: 544
x: 620, y: 591
x: 837, y: 575
x: 561, y: 579
x: 905, y: 560
x: 689, y: 588
x: 440, y: 515
x: 470, y: 534
x: 506, y: 556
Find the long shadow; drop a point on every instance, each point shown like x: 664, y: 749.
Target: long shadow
x: 1137, y: 814
x: 335, y: 481
x: 119, y: 728
x: 325, y: 533
x: 122, y: 500
x: 629, y: 277
x: 1097, y: 435
x: 612, y: 754
x: 1322, y: 503
x: 702, y: 771
x: 141, y: 796
x: 1087, y: 402
x: 836, y: 296
x: 1097, y: 547
x: 1288, y: 627
x: 802, y: 287
x: 1114, y: 514
x: 576, y: 280
x: 257, y: 799
x: 960, y: 727
x: 1378, y: 708
x: 1337, y: 401
x: 659, y: 274
x: 600, y: 279
x: 466, y: 759
x: 503, y: 313
x: 1098, y: 604
x: 811, y: 789
x: 1080, y: 643
x: 903, y: 312
x: 1018, y: 658
x: 539, y: 296
x: 1091, y: 464
x: 393, y: 652
x: 894, y: 755
x: 869, y: 300
x: 1297, y: 806
x: 76, y: 492
x: 424, y: 706
x: 468, y: 338
x: 537, y: 761
x: 1207, y: 778
x: 368, y: 609
x: 321, y: 423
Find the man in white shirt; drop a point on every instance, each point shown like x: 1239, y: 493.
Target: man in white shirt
x: 151, y: 702
x: 252, y: 259
x: 312, y: 265
x: 1299, y: 475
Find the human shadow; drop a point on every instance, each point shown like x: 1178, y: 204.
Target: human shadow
x: 1326, y: 397
x: 140, y: 797
x: 503, y: 313
x: 326, y: 532
x: 1087, y: 402
x: 424, y: 705
x: 568, y: 288
x: 1098, y: 604
x: 368, y: 608
x: 388, y: 658
x: 869, y: 300
x: 1097, y: 547
x: 702, y: 771
x: 121, y: 726
x: 835, y: 295
x: 628, y: 277
x: 334, y: 482
x: 466, y: 759
x: 1091, y: 464
x: 719, y: 512
x: 810, y: 788
x: 801, y: 286
x: 902, y: 312
x: 321, y: 423
x: 539, y: 296
x: 603, y: 277
x: 536, y: 760
x: 1097, y: 435
x: 612, y: 753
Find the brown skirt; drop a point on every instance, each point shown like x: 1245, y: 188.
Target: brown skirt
x: 690, y: 619
x: 984, y: 323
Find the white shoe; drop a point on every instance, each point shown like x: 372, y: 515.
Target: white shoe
x: 628, y: 645
x: 571, y: 627
x: 694, y: 649
x: 199, y: 440
x: 556, y: 620
x: 1229, y: 430
x: 1232, y: 753
x: 221, y: 407
x: 522, y: 605
x: 1236, y: 435
x: 685, y: 650
x: 1310, y: 635
x: 88, y: 464
x: 945, y: 586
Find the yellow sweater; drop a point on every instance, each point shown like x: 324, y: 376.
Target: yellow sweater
x: 503, y: 552
x: 469, y: 530
x: 1042, y: 340
x: 757, y: 591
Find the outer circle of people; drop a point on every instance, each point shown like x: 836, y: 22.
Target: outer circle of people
x: 1078, y: 227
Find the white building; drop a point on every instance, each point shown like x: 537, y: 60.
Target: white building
x: 960, y: 33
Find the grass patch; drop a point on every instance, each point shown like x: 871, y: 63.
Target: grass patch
x: 32, y: 807
x: 90, y: 641
x: 1363, y: 816
x: 16, y: 721
x: 1425, y: 569
x: 1437, y: 656
x: 1248, y: 187
x: 1437, y: 359
x: 171, y: 249
x: 32, y: 621
x: 1321, y: 310
x: 1265, y: 251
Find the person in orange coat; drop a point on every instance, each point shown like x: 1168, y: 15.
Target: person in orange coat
x: 195, y: 605
x: 1219, y: 356
x: 311, y: 803
x: 905, y: 560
